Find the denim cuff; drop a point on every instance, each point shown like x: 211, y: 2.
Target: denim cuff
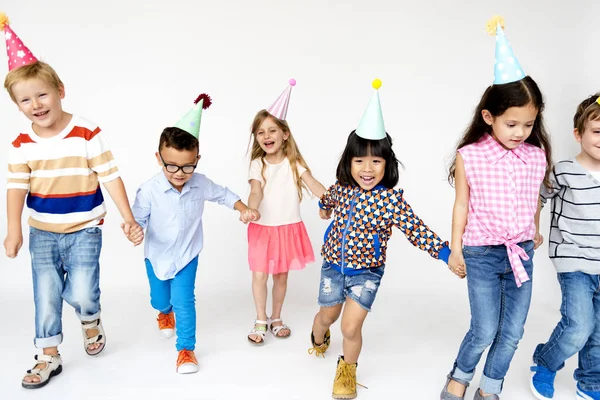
x: 491, y: 386
x: 52, y: 341
x: 463, y: 376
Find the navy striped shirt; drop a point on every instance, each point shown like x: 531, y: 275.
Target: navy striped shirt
x: 574, y: 243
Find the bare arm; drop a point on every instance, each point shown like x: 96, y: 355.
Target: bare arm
x: 461, y: 205
x: 459, y: 217
x: 15, y: 200
x: 314, y: 185
x: 538, y: 239
x: 117, y: 192
x: 256, y: 194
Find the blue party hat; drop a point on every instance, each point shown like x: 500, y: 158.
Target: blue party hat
x: 506, y: 68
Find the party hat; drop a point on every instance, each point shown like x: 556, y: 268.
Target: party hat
x: 191, y: 121
x: 506, y: 68
x: 280, y: 107
x: 18, y: 54
x: 371, y: 124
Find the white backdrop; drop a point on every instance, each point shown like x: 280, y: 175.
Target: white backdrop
x: 135, y: 67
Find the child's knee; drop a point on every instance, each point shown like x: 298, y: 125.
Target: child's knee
x: 351, y: 331
x: 280, y: 279
x: 260, y: 277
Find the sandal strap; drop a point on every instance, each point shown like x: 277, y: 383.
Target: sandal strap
x: 46, y: 359
x: 90, y: 324
x: 95, y: 324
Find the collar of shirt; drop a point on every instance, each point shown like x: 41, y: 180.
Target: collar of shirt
x: 494, y: 151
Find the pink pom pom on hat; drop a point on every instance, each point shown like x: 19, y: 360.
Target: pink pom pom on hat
x: 280, y: 107
x: 18, y: 54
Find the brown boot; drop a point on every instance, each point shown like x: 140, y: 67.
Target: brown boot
x: 344, y: 384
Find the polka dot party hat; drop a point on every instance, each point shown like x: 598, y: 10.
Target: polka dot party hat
x: 371, y: 124
x: 506, y: 68
x: 191, y: 121
x: 279, y: 108
x: 18, y: 54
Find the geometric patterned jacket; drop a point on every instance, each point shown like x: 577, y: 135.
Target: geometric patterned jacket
x: 362, y: 224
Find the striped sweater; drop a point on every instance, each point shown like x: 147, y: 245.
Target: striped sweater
x: 574, y: 243
x: 62, y: 175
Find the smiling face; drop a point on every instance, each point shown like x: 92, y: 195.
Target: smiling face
x: 41, y: 104
x: 513, y: 127
x: 182, y: 161
x: 367, y: 171
x: 271, y: 139
x: 590, y: 145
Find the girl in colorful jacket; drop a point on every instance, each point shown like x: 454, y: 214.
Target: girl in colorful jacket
x: 365, y: 206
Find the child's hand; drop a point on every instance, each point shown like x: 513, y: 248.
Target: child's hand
x: 325, y: 214
x: 456, y: 264
x: 537, y: 240
x: 249, y: 215
x: 133, y: 232
x: 12, y: 244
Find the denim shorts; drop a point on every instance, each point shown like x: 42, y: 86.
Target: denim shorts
x: 362, y: 288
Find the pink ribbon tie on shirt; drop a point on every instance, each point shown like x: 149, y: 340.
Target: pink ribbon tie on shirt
x: 515, y: 255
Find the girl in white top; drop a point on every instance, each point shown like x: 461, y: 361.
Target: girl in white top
x: 278, y: 241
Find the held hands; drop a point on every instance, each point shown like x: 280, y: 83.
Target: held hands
x: 537, y: 240
x: 12, y: 244
x: 249, y: 215
x: 133, y: 232
x: 325, y: 214
x: 456, y: 264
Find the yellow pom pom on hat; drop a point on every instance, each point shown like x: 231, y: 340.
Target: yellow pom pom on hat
x: 371, y: 124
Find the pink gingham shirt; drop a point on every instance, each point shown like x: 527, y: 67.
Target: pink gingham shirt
x: 504, y: 191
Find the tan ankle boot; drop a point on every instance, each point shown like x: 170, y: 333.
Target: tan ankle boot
x: 344, y: 384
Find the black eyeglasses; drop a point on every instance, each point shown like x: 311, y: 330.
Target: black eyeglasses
x: 172, y: 168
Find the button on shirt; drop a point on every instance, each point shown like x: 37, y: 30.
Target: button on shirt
x: 173, y: 220
x: 504, y: 190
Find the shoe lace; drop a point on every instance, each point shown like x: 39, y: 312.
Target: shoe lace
x: 186, y: 356
x: 166, y: 321
x: 318, y: 350
x: 346, y: 378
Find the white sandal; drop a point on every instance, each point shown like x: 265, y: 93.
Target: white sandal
x: 276, y: 329
x: 52, y: 368
x: 259, y: 331
x: 100, y: 338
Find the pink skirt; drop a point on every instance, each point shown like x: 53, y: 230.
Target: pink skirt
x: 277, y: 249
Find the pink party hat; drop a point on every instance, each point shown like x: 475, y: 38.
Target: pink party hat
x: 18, y: 54
x: 280, y: 107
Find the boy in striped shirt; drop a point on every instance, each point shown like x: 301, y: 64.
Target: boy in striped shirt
x: 574, y: 248
x: 57, y: 166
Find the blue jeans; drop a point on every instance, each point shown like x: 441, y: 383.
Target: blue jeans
x: 577, y: 332
x: 498, y: 313
x: 65, y: 267
x: 362, y: 288
x: 177, y: 294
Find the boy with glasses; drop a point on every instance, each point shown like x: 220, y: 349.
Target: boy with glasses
x: 169, y: 207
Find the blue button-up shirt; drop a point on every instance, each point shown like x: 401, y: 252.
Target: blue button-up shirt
x: 173, y: 220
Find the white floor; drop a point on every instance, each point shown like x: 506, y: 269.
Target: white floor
x: 410, y: 341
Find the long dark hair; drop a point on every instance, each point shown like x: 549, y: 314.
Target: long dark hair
x: 499, y: 98
x: 360, y: 147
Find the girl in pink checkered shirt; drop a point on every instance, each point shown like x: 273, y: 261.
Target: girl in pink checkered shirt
x: 501, y: 162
